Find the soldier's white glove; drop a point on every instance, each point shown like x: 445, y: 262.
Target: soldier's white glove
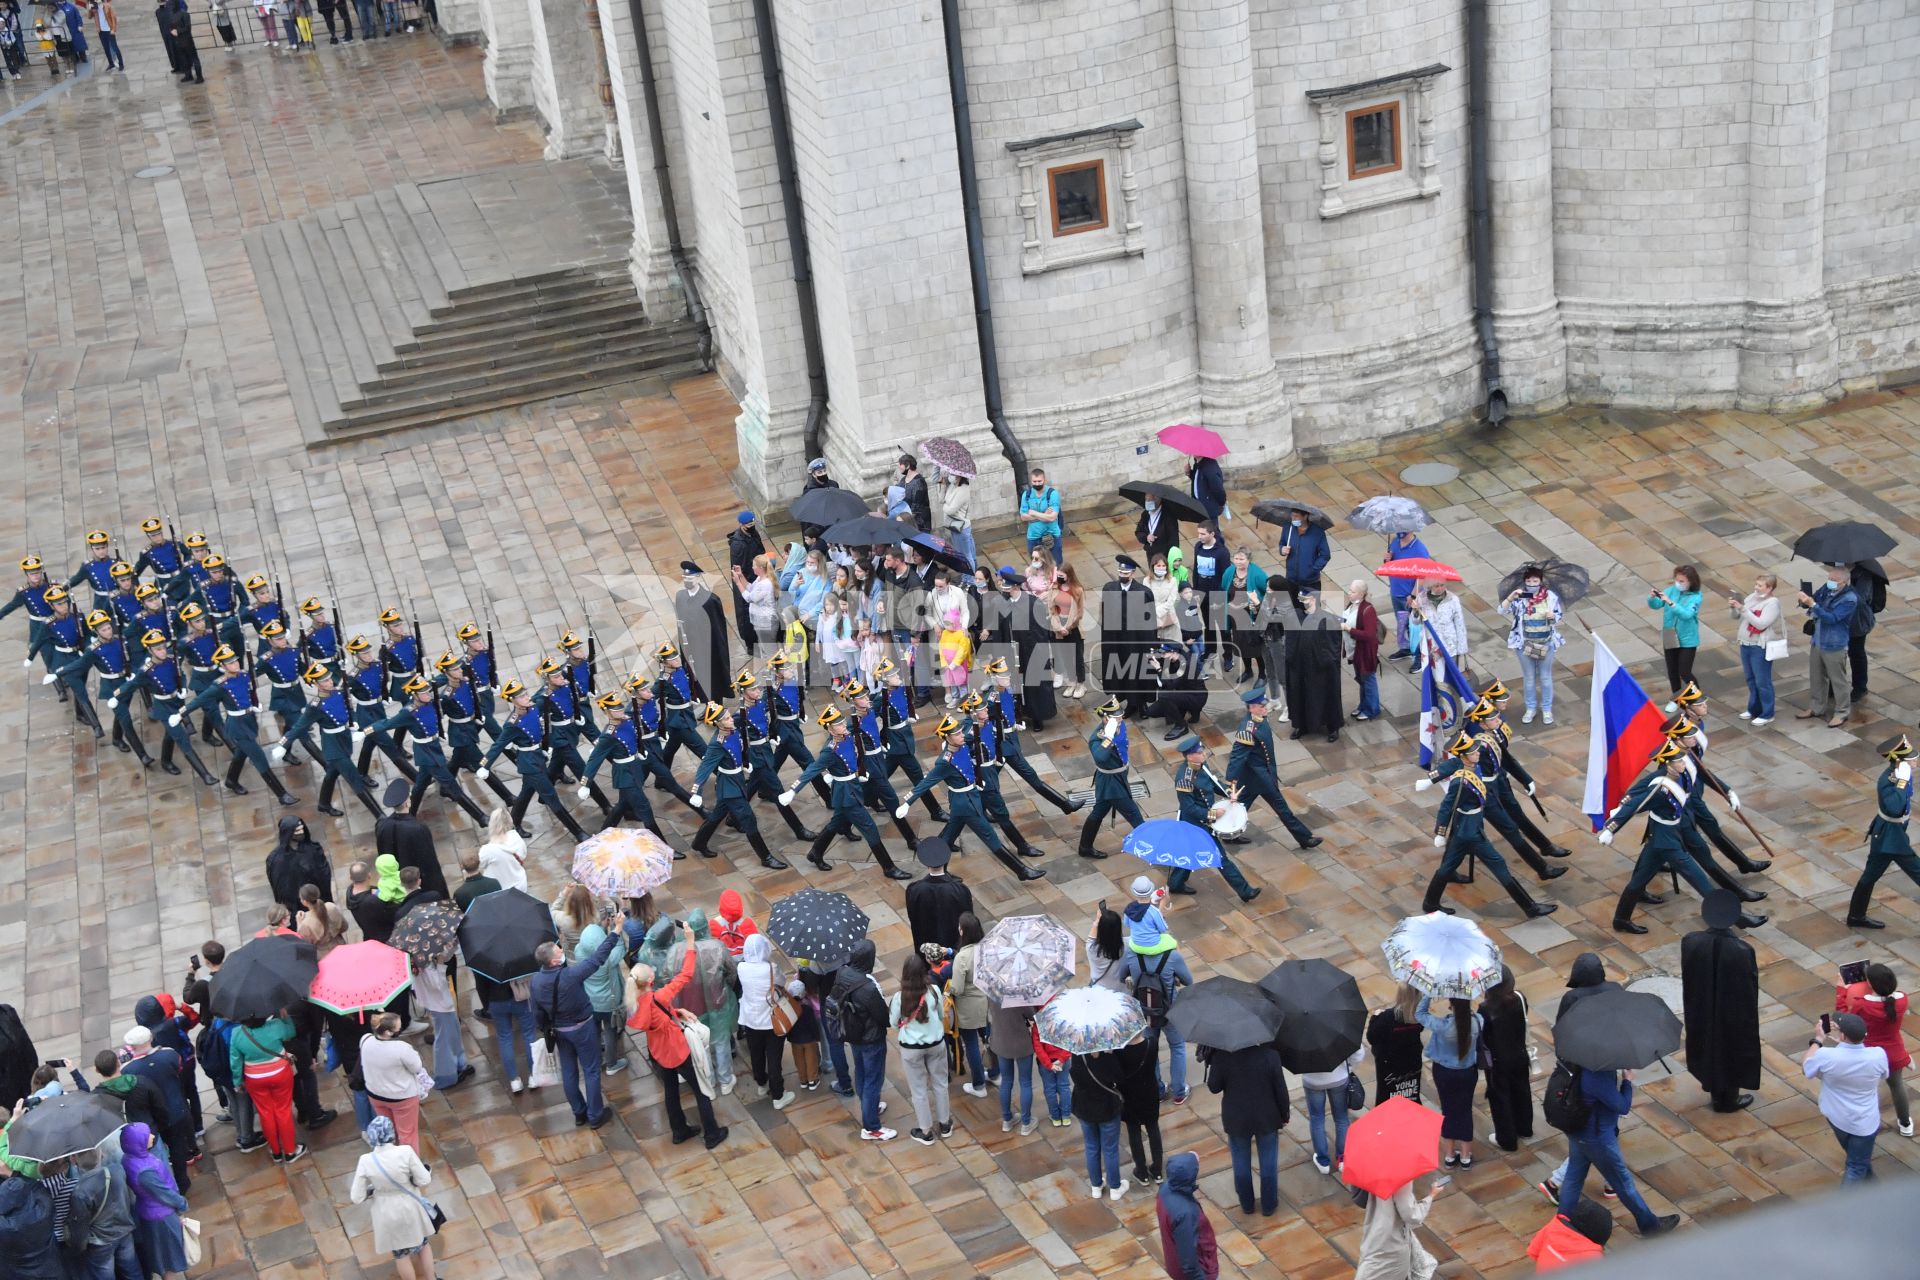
x: 483, y: 773
x: 1902, y: 771
x: 173, y: 721
x: 1606, y: 836
x: 582, y: 792
x: 48, y: 678
x: 786, y: 798
x: 1439, y: 842
x: 695, y: 799
x: 113, y: 703
x: 1423, y: 784
x: 357, y: 738
x: 900, y: 812
x: 1733, y: 800
x: 279, y: 752
x: 1529, y: 788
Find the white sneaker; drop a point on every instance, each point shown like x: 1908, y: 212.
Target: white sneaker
x: 1322, y: 1165
x: 1762, y: 721
x: 1906, y: 1129
x: 1547, y: 717
x: 1528, y: 717
x: 780, y: 1103
x: 514, y: 1085
x: 1118, y: 1191
x: 974, y: 1090
x: 1096, y: 1190
x: 1029, y: 1127
x: 1059, y: 682
x: 877, y: 1135
x: 1671, y: 707
x: 727, y: 1088
x: 1006, y: 1126
x: 1746, y: 715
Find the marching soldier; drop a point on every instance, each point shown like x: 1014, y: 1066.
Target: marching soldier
x: 1112, y: 789
x: 983, y: 740
x: 197, y: 644
x: 579, y: 659
x: 1513, y: 771
x: 459, y: 709
x: 557, y: 703
x: 873, y: 750
x: 480, y: 674
x: 1201, y: 792
x: 164, y: 676
x: 843, y: 764
x: 420, y: 719
x: 1887, y: 842
x: 1009, y: 718
x: 109, y: 656
x: 896, y: 725
x: 166, y: 559
x: 645, y: 712
x: 789, y: 704
x: 232, y: 692
x: 152, y: 614
x: 124, y: 603
x: 756, y: 727
x: 97, y: 569
x: 366, y: 690
x: 1459, y: 833
x: 280, y: 663
x: 620, y: 744
x: 727, y: 760
x: 959, y: 772
x: 197, y: 574
x: 332, y: 715
x: 678, y: 693
x: 220, y: 597
x: 400, y: 656
x: 1660, y: 793
x: 32, y: 596
x: 1693, y: 705
x: 1693, y: 831
x: 1250, y: 766
x: 61, y: 642
x: 319, y: 638
x: 525, y: 732
x: 1485, y: 724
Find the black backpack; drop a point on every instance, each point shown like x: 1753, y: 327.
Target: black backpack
x: 1150, y: 991
x: 1566, y: 1108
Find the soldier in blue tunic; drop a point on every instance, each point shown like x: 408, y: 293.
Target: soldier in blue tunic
x: 1250, y: 766
x: 1484, y: 723
x: 232, y: 693
x: 196, y: 644
x: 421, y: 721
x: 109, y: 656
x: 621, y: 746
x: 577, y: 652
x: 61, y: 641
x: 366, y: 690
x: 843, y: 763
x: 459, y: 710
x: 729, y: 762
x: 280, y: 663
x: 400, y: 656
x: 332, y: 715
x: 97, y: 569
x: 680, y: 697
x: 124, y: 603
x: 1009, y: 720
x: 1701, y: 832
x: 152, y: 613
x: 895, y: 711
x: 525, y: 731
x: 1888, y: 844
x: 262, y: 608
x: 319, y: 638
x: 32, y: 596
x: 197, y: 552
x: 959, y: 773
x: 481, y: 674
x: 647, y: 722
x: 1459, y: 834
x: 983, y: 739
x: 789, y: 706
x: 166, y: 559
x: 557, y: 702
x: 1512, y: 772
x: 873, y: 749
x: 1661, y: 794
x: 755, y: 720
x: 220, y: 597
x: 1112, y: 791
x: 164, y: 676
x: 1201, y: 791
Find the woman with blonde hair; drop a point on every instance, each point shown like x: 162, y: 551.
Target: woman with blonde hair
x: 573, y: 911
x: 504, y: 855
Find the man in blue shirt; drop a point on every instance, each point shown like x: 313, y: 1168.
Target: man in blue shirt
x: 1831, y: 684
x: 1040, y: 508
x: 1303, y: 554
x: 1206, y: 570
x: 1849, y: 1072
x: 563, y: 1010
x: 1403, y: 546
x: 1609, y: 1097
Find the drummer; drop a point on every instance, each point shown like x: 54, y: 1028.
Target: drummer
x: 1207, y: 802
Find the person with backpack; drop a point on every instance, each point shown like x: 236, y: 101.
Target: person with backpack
x: 1586, y: 979
x: 857, y: 1005
x: 1040, y: 508
x: 1590, y: 1113
x: 99, y: 1220
x: 1870, y: 586
x: 1154, y: 979
x: 654, y: 1016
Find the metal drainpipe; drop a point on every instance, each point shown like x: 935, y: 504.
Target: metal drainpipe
x: 663, y: 178
x: 1496, y: 408
x: 782, y: 130
x: 977, y: 249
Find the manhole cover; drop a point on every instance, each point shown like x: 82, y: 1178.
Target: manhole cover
x: 1429, y: 473
x: 153, y: 171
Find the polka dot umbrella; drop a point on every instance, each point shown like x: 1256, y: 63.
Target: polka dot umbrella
x: 622, y: 862
x: 818, y: 926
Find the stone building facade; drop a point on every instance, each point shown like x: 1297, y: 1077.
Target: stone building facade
x: 1255, y: 213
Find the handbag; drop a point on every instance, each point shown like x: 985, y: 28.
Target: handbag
x: 1356, y: 1093
x: 190, y: 1240
x: 781, y: 1008
x: 545, y: 1071
x: 1776, y: 649
x: 435, y: 1214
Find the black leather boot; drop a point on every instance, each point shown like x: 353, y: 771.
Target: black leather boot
x: 1430, y: 902
x: 1519, y: 894
x: 758, y: 844
x: 1623, y: 913
x: 273, y: 784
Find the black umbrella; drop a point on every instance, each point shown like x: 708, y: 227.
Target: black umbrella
x: 818, y: 926
x: 1616, y: 1030
x: 1280, y: 511
x: 1225, y: 1013
x: 1844, y: 542
x: 1324, y: 1014
x: 68, y: 1123
x: 264, y: 976
x: 941, y: 551
x: 825, y: 507
x: 500, y: 931
x: 868, y: 531
x: 1568, y: 581
x: 1182, y: 504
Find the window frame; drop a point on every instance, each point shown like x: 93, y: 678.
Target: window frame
x: 1392, y: 108
x: 1416, y: 176
x: 1098, y: 164
x: 1107, y: 150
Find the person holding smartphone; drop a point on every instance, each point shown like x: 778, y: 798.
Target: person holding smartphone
x: 1829, y: 621
x: 1849, y: 1071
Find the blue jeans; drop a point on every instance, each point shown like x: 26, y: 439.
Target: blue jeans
x: 1602, y: 1152
x: 1536, y: 681
x: 449, y: 1055
x: 1242, y: 1148
x: 977, y: 1073
x: 505, y: 1014
x: 1058, y: 1087
x: 869, y: 1073
x: 393, y: 16
x: 1859, y: 1149
x: 962, y: 540
x: 110, y: 45
x: 365, y: 8
x: 1024, y: 1066
x: 1318, y: 1100
x: 1176, y: 1086
x: 362, y: 1108
x: 579, y: 1053
x: 1759, y: 673
x: 837, y: 1056
x: 116, y: 1261
x: 1102, y: 1143
x: 1369, y: 695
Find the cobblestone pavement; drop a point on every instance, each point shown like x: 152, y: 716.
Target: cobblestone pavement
x: 141, y: 379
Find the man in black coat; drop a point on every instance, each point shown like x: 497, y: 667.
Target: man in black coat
x: 1207, y: 486
x: 375, y: 917
x: 1587, y: 978
x: 936, y: 902
x: 1126, y: 638
x: 1156, y: 531
x: 817, y: 477
x: 408, y: 839
x: 180, y: 20
x: 297, y: 860
x: 1253, y: 1109
x: 743, y: 544
x: 703, y: 630
x: 919, y: 501
x: 1720, y: 986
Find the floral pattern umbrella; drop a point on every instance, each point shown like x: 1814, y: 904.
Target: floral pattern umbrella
x: 1443, y: 955
x: 950, y: 455
x: 622, y: 862
x: 1090, y: 1020
x: 429, y: 933
x: 361, y: 975
x: 1025, y: 960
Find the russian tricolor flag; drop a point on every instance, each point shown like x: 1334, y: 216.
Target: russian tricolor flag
x: 1624, y: 730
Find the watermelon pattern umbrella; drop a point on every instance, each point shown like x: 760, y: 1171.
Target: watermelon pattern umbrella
x: 360, y: 976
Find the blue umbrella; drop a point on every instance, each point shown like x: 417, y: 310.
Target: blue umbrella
x: 1169, y: 842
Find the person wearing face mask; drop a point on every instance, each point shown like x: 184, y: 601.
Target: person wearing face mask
x: 1679, y: 606
x: 1040, y: 508
x: 1155, y: 531
x: 1211, y: 560
x: 1126, y: 638
x: 1830, y: 616
x: 1438, y: 611
x: 1534, y: 610
x: 1403, y: 546
x: 1303, y: 554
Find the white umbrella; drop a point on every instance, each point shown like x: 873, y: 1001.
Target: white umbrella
x: 1090, y: 1020
x: 1443, y: 955
x: 1025, y: 960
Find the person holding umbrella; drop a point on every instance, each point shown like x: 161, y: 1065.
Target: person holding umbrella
x: 1303, y: 554
x: 1720, y: 985
x: 1609, y: 1096
x: 1390, y: 1247
x: 1887, y: 842
x: 1253, y: 1109
x: 1535, y: 611
x: 1157, y: 530
x: 1830, y: 611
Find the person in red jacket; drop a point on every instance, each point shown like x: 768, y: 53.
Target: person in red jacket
x: 1186, y: 1237
x: 1883, y: 1007
x: 732, y: 926
x: 1578, y: 1236
x: 654, y: 1014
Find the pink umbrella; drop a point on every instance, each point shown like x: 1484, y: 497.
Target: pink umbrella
x: 1418, y: 568
x: 1195, y: 442
x: 360, y: 975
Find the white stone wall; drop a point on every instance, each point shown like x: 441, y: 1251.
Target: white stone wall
x: 507, y: 26
x: 650, y: 260
x: 566, y: 78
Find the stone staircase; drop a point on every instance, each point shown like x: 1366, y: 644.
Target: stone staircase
x: 428, y: 303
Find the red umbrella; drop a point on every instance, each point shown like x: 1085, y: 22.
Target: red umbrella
x: 1418, y: 568
x: 360, y: 975
x: 1195, y: 442
x: 1391, y: 1145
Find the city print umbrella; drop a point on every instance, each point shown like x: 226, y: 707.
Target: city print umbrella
x: 430, y: 933
x: 500, y: 932
x: 264, y: 976
x: 1280, y: 511
x: 1090, y: 1020
x: 949, y: 455
x: 67, y: 1124
x: 1391, y: 1145
x: 1417, y: 567
x: 1025, y: 960
x: 360, y: 975
x: 1195, y: 442
x: 1225, y: 1013
x: 1389, y: 513
x: 1169, y: 842
x: 818, y: 926
x: 622, y: 862
x: 1443, y: 955
x: 1326, y: 1016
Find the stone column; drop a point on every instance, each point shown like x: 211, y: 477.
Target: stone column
x: 1240, y: 392
x: 1526, y: 305
x: 508, y: 68
x: 1788, y: 355
x: 649, y: 259
x: 566, y: 70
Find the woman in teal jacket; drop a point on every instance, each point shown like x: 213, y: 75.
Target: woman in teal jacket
x: 606, y: 990
x: 1679, y: 607
x: 1245, y: 586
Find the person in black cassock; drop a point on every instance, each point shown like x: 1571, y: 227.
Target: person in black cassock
x: 408, y: 839
x: 743, y: 544
x: 703, y: 629
x: 18, y: 1060
x: 1313, y: 652
x: 1017, y: 623
x: 936, y: 901
x: 297, y: 860
x: 1720, y: 987
x: 1127, y: 636
x: 1179, y: 695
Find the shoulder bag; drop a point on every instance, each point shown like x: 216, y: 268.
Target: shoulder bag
x: 780, y: 1006
x: 435, y: 1214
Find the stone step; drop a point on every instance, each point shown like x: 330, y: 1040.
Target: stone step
x: 366, y: 240
x: 323, y: 349
x: 314, y: 401
x: 343, y: 296
x: 440, y: 256
x: 507, y: 288
x: 520, y: 300
x: 413, y: 263
x: 491, y: 355
x: 605, y: 312
x: 515, y: 364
